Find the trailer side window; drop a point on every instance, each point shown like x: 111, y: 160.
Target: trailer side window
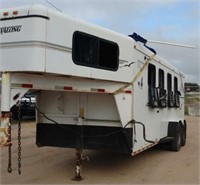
x: 85, y: 55
x: 161, y: 79
x: 169, y: 91
x: 176, y: 93
x: 175, y: 84
x: 152, y: 75
x: 153, y: 91
x: 162, y: 91
x: 169, y: 82
x: 92, y: 51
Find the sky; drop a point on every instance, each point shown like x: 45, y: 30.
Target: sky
x: 174, y: 21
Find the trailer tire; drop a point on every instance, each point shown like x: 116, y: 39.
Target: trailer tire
x: 183, y: 134
x: 177, y: 142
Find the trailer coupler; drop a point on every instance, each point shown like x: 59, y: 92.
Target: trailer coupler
x: 79, y: 160
x: 5, y: 129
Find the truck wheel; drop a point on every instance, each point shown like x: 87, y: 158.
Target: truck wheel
x: 177, y: 142
x: 183, y: 135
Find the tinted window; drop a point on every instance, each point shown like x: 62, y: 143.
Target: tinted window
x: 88, y: 54
x: 152, y: 75
x: 175, y: 84
x: 169, y: 82
x: 92, y: 51
x: 161, y: 79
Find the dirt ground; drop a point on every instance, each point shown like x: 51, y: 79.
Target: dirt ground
x: 50, y: 165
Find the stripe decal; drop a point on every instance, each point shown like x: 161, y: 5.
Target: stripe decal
x: 143, y: 149
x: 98, y: 90
x: 28, y: 86
x: 68, y: 88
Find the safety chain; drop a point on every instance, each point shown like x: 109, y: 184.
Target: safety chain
x: 19, y: 140
x: 9, y: 152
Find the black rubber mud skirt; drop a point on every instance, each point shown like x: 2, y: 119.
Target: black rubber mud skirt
x: 86, y: 137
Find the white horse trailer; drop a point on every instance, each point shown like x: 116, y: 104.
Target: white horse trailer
x: 95, y: 88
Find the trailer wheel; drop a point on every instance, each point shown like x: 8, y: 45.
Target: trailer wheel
x: 183, y: 135
x: 177, y: 142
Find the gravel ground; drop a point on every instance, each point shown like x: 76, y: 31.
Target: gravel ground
x: 50, y: 165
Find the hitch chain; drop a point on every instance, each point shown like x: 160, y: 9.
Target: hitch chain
x: 19, y: 145
x: 9, y: 152
x: 19, y: 139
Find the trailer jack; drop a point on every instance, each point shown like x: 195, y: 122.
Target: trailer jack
x: 79, y: 160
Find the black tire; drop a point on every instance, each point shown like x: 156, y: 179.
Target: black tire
x: 183, y: 135
x: 177, y: 142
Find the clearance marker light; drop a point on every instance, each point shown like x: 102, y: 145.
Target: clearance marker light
x: 15, y: 12
x: 67, y: 88
x: 101, y: 90
x: 128, y: 91
x: 5, y: 13
x: 30, y: 86
x: 98, y: 90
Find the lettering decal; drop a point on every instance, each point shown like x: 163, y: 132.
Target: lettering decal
x: 10, y: 29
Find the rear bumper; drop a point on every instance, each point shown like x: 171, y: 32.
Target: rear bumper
x: 86, y: 137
